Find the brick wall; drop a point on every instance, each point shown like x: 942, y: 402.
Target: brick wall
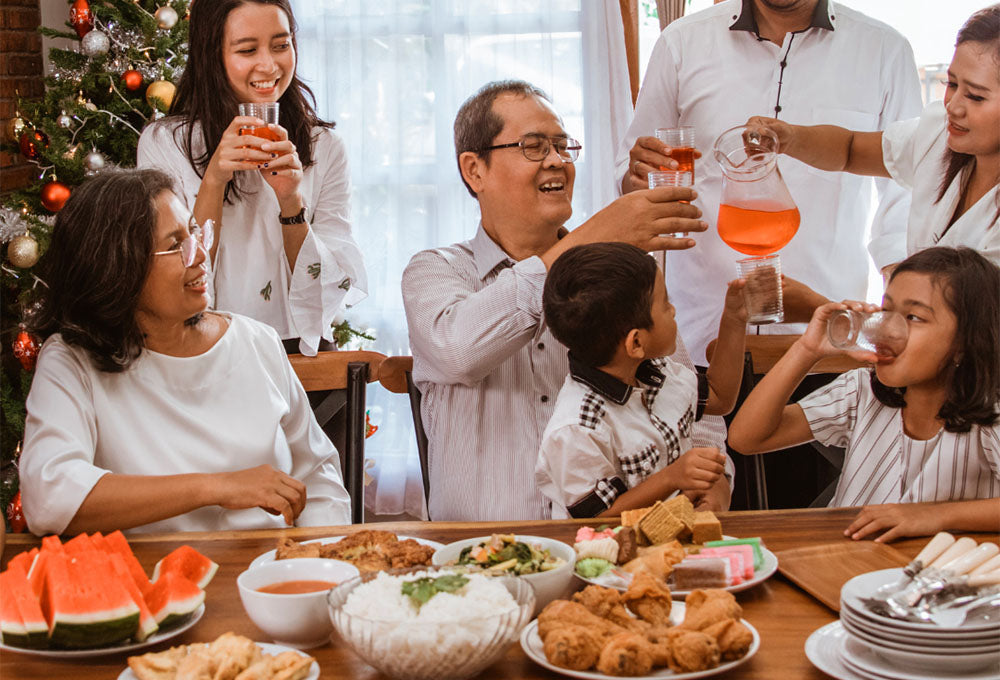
x: 20, y: 72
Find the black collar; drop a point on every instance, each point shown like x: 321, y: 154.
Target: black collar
x: 609, y: 386
x: 746, y: 21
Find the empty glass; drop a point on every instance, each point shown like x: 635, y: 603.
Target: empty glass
x: 884, y: 333
x: 762, y: 293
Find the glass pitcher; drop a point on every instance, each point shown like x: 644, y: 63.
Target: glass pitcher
x: 757, y: 215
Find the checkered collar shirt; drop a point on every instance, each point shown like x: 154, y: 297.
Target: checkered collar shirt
x: 609, y: 386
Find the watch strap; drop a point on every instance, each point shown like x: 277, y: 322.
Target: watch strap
x: 299, y: 218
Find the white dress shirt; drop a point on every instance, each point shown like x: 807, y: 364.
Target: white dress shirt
x: 489, y: 370
x: 884, y: 465
x: 236, y: 406
x: 252, y: 274
x: 913, y: 152
x: 710, y: 70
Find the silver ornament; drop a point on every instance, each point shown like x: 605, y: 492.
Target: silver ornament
x: 22, y: 251
x: 95, y: 44
x: 94, y: 162
x: 64, y: 121
x: 166, y: 17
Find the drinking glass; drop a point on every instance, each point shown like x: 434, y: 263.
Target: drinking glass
x: 762, y: 292
x: 266, y: 111
x: 884, y: 333
x: 681, y: 143
x: 671, y: 178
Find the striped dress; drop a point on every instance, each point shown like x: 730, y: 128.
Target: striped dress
x: 884, y: 465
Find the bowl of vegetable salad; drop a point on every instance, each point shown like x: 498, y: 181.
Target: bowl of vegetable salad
x: 545, y: 563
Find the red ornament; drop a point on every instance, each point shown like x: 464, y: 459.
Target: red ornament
x: 26, y: 348
x: 133, y: 80
x: 369, y: 428
x: 31, y: 141
x: 54, y: 195
x: 15, y: 515
x: 81, y: 18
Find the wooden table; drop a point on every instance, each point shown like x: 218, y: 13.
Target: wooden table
x: 784, y: 615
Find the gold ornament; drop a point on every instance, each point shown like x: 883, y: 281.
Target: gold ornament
x: 71, y: 152
x: 160, y: 95
x: 166, y: 17
x: 22, y: 251
x: 17, y: 126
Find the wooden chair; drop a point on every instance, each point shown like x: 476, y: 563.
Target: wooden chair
x: 336, y: 383
x: 396, y: 375
x: 760, y: 355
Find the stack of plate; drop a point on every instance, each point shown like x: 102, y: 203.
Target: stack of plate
x: 873, y: 647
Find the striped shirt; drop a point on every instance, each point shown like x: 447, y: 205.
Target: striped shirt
x: 489, y: 370
x: 884, y: 465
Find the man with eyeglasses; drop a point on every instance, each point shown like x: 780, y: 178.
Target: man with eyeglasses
x: 486, y: 364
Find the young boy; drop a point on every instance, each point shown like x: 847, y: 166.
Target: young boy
x: 620, y: 435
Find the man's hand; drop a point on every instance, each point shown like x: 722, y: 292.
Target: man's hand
x: 646, y: 155
x: 896, y: 520
x: 799, y: 300
x: 697, y: 470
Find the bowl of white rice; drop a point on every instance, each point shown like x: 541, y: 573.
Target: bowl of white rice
x: 431, y: 623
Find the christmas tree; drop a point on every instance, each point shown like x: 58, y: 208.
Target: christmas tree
x: 129, y: 55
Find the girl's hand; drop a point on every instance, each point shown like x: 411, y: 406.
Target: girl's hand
x: 283, y: 169
x: 236, y: 152
x: 901, y: 519
x: 261, y: 487
x: 815, y: 341
x: 735, y: 305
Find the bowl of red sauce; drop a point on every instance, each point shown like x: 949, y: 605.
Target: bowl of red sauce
x: 286, y: 599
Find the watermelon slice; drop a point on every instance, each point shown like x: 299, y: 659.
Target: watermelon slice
x: 189, y: 563
x: 84, y: 602
x: 117, y: 543
x: 173, y: 598
x: 21, y: 621
x: 52, y: 544
x: 78, y: 544
x: 147, y: 624
x: 25, y: 559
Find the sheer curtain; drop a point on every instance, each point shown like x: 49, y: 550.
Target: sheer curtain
x: 392, y: 74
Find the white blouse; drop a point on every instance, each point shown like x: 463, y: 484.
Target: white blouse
x: 236, y: 406
x: 884, y: 465
x: 913, y: 152
x: 252, y: 275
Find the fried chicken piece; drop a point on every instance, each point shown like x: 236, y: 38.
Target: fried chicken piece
x: 607, y: 603
x: 649, y: 599
x: 705, y: 607
x: 366, y: 537
x: 692, y: 650
x: 734, y: 638
x: 659, y: 644
x: 573, y: 647
x: 285, y: 666
x: 289, y: 549
x: 232, y: 654
x: 408, y: 553
x: 197, y: 665
x: 625, y: 654
x: 560, y: 613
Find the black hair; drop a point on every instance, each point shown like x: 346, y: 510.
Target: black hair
x: 204, y: 94
x: 983, y: 27
x: 96, y: 266
x: 477, y: 124
x: 595, y: 294
x: 970, y: 285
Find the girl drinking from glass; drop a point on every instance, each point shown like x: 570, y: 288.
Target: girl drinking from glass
x: 284, y: 253
x: 920, y: 428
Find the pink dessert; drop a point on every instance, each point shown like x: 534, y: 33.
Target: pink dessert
x: 745, y: 551
x: 735, y: 565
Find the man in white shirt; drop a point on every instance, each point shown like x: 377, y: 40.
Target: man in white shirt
x: 804, y: 61
x: 487, y: 365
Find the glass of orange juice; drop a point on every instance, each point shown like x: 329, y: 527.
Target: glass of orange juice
x: 266, y: 111
x: 681, y: 143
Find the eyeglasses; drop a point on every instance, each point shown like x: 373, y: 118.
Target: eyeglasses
x: 203, y: 236
x: 537, y: 147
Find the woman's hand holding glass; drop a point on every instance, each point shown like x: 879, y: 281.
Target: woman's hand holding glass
x: 260, y: 487
x: 283, y: 170
x: 815, y: 340
x: 237, y: 152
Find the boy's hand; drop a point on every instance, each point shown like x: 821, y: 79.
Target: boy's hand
x: 698, y: 469
x: 735, y: 306
x: 901, y: 519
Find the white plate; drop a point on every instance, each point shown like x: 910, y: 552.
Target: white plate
x: 823, y: 650
x: 104, y: 651
x: 269, y: 555
x: 915, y: 646
x: 267, y: 648
x: 890, y: 636
x: 613, y: 578
x: 865, y: 585
x: 960, y: 660
x: 532, y: 646
x: 862, y: 657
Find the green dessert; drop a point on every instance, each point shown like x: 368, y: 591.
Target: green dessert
x: 592, y: 567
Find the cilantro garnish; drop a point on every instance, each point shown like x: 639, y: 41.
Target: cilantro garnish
x: 423, y: 589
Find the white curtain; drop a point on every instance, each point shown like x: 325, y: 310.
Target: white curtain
x: 392, y: 74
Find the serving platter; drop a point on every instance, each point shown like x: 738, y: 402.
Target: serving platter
x: 269, y: 555
x: 265, y: 647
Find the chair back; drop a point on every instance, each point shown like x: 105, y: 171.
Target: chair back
x: 336, y: 383
x: 396, y: 375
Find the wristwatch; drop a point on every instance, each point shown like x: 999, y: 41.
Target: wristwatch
x: 300, y: 218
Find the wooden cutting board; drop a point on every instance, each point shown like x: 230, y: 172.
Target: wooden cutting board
x: 822, y: 570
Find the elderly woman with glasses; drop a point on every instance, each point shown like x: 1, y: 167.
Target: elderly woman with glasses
x: 148, y: 412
